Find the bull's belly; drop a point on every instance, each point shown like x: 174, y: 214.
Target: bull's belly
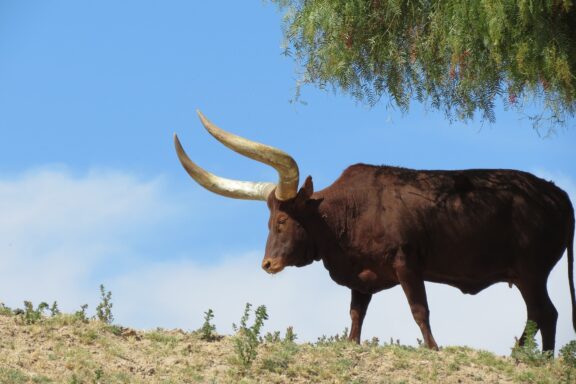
x: 373, y: 281
x: 471, y: 284
x: 471, y: 275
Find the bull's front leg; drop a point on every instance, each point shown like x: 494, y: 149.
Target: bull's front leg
x: 358, y: 308
x: 413, y: 285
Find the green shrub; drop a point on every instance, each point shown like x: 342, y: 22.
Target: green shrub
x: 248, y: 338
x: 104, y: 309
x: 568, y: 354
x: 529, y: 353
x: 325, y: 340
x: 208, y: 330
x: 54, y: 310
x: 81, y: 314
x: 30, y: 315
x: 290, y: 336
x: 5, y: 311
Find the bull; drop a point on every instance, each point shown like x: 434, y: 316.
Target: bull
x: 377, y: 227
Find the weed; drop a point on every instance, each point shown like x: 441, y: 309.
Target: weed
x: 54, y: 310
x: 280, y: 358
x: 208, y: 330
x: 30, y: 315
x: 5, y: 311
x: 13, y: 376
x: 161, y: 338
x: 290, y: 336
x: 104, y: 309
x: 529, y: 353
x: 248, y: 338
x: 568, y: 353
x: 326, y: 340
x: 116, y: 330
x: 272, y: 337
x: 81, y: 314
x: 88, y: 336
x: 374, y: 342
x: 98, y: 374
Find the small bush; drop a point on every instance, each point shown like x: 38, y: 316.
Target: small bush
x: 290, y: 336
x: 568, y: 354
x: 208, y: 330
x: 529, y: 353
x: 248, y: 338
x: 30, y: 315
x: 325, y: 340
x: 116, y: 330
x: 281, y: 352
x: 104, y: 309
x: 5, y: 311
x: 54, y: 310
x: 272, y: 337
x: 81, y: 314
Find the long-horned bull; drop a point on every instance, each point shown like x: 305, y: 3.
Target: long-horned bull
x: 377, y: 227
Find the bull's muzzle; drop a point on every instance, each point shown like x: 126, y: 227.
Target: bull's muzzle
x: 272, y: 266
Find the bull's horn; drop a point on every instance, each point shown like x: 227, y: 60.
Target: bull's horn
x: 222, y: 186
x: 287, y: 168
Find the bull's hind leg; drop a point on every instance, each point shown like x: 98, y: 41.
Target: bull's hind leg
x: 413, y: 286
x: 541, y: 311
x: 358, y: 308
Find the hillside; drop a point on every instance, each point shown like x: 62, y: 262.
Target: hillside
x: 74, y: 349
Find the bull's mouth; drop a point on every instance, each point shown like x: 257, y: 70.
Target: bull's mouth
x: 272, y: 267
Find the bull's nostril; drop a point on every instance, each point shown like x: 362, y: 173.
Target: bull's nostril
x: 266, y: 265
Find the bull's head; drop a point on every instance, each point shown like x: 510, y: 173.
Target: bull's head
x: 288, y: 241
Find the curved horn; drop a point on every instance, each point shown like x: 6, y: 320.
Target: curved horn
x: 287, y: 168
x: 222, y: 186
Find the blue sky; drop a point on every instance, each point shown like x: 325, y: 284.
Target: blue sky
x: 92, y: 192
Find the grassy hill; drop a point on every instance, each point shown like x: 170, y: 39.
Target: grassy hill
x: 39, y: 347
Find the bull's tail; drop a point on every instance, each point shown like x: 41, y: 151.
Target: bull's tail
x: 570, y: 252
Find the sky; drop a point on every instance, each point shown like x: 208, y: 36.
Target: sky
x: 91, y: 191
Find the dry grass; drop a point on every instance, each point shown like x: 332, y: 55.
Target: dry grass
x: 64, y: 349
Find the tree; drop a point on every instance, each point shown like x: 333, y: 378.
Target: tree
x: 458, y: 56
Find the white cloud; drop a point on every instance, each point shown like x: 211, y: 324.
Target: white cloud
x: 61, y: 235
x: 58, y: 230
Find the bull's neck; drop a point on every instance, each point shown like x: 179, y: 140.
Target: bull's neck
x: 323, y: 230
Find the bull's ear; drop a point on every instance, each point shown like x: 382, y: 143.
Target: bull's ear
x: 306, y: 191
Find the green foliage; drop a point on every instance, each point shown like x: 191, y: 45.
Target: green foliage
x: 104, y: 308
x: 457, y: 56
x: 248, y: 338
x: 280, y: 351
x: 274, y: 337
x: 81, y: 314
x: 54, y: 310
x: 568, y: 354
x: 161, y: 337
x: 326, y: 340
x: 208, y: 330
x: 31, y: 315
x: 529, y: 353
x: 290, y: 336
x: 116, y: 330
x: 5, y: 311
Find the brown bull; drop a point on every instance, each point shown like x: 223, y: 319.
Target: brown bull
x: 377, y: 227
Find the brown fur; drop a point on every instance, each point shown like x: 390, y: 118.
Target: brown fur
x: 377, y: 227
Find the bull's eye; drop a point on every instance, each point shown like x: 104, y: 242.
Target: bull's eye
x: 282, y: 219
